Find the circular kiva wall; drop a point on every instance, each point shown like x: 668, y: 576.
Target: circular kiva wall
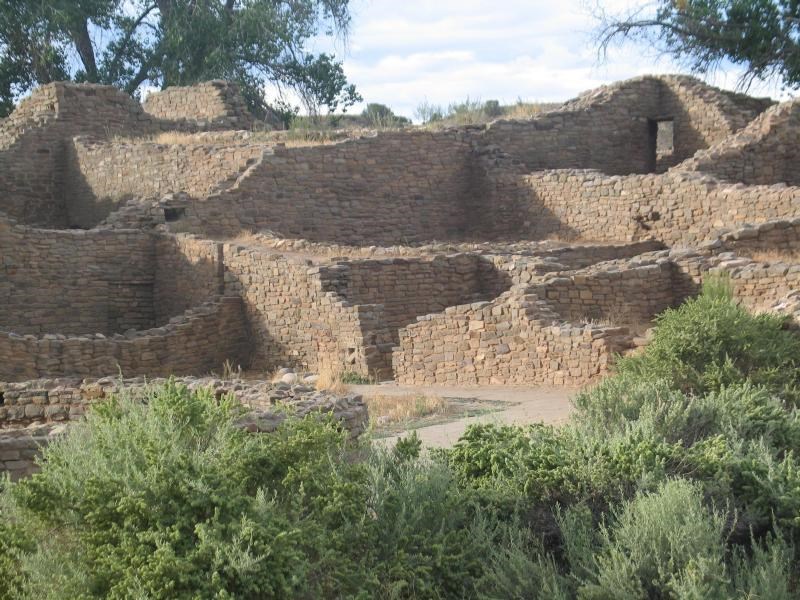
x: 92, y: 302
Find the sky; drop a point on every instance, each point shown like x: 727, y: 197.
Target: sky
x: 403, y: 52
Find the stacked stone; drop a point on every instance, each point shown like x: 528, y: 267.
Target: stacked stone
x: 780, y: 238
x: 108, y: 174
x: 205, y: 106
x: 199, y: 340
x: 516, y: 339
x: 763, y: 153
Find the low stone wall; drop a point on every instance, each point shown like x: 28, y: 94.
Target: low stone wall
x: 33, y: 413
x: 208, y: 105
x: 757, y: 285
x: 408, y: 288
x: 19, y: 449
x: 198, y: 341
x: 516, y: 339
x: 102, y: 175
x: 780, y: 239
x: 622, y: 293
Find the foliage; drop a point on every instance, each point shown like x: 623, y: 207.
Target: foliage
x: 381, y: 116
x: 760, y: 35
x: 710, y: 342
x: 174, y: 42
x: 662, y: 486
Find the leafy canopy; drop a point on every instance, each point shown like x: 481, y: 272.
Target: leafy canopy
x: 131, y: 43
x: 763, y: 36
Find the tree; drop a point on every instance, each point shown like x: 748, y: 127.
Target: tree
x: 132, y: 43
x: 763, y: 36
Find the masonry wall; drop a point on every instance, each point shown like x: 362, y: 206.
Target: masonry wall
x: 408, y: 288
x: 75, y: 282
x: 293, y: 321
x: 211, y: 104
x: 778, y: 239
x: 393, y: 188
x: 624, y: 294
x: 516, y: 339
x: 33, y: 144
x: 675, y: 208
x: 104, y: 174
x: 188, y: 271
x: 20, y: 448
x: 610, y: 128
x: 757, y: 285
x: 702, y: 115
x: 763, y: 153
x: 203, y: 339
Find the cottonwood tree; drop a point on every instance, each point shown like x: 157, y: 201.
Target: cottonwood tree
x: 133, y: 43
x: 763, y: 36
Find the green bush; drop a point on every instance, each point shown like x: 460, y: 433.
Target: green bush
x: 710, y: 342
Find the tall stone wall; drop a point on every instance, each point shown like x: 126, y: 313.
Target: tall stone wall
x: 210, y: 105
x: 675, y: 208
x: 613, y: 128
x: 393, y: 188
x: 763, y: 153
x: 188, y: 271
x: 293, y: 320
x: 104, y: 174
x: 75, y: 282
x: 33, y: 144
x: 515, y: 339
x: 198, y: 341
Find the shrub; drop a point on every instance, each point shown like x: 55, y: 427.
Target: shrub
x: 710, y: 342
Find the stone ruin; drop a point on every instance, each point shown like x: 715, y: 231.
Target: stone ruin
x: 520, y: 252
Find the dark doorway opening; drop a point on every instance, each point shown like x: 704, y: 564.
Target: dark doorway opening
x: 661, y: 144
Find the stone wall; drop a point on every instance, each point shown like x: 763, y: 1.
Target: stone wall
x: 188, y: 271
x: 779, y: 239
x: 19, y: 449
x: 763, y: 153
x: 102, y: 175
x: 612, y: 128
x: 33, y: 144
x: 75, y: 282
x: 35, y: 412
x: 408, y: 288
x: 396, y: 187
x: 515, y: 339
x: 675, y: 208
x: 623, y: 293
x: 293, y: 320
x: 200, y: 340
x: 208, y: 105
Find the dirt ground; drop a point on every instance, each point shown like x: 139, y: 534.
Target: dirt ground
x: 487, y: 404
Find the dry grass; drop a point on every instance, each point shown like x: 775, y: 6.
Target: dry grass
x: 329, y: 379
x: 528, y: 110
x: 388, y: 409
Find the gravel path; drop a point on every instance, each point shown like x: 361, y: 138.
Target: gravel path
x: 518, y: 405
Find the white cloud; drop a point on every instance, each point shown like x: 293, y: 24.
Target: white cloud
x: 401, y: 54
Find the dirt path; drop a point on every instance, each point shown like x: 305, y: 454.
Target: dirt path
x: 510, y: 405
